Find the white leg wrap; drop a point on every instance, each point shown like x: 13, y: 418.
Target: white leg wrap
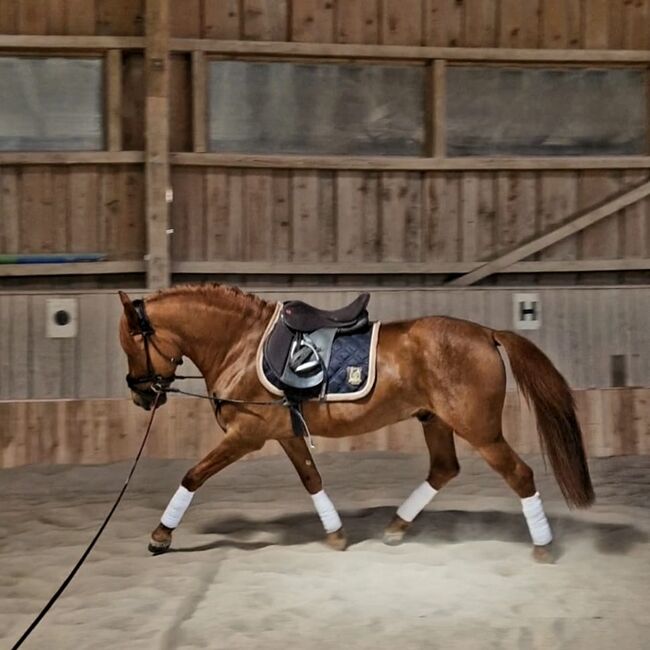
x: 538, y: 525
x: 176, y: 508
x: 327, y: 512
x: 416, y: 501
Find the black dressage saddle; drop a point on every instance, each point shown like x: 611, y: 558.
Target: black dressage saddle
x: 298, y: 349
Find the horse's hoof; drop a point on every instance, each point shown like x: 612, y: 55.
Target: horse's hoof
x: 395, y: 531
x: 544, y: 554
x: 337, y: 540
x: 157, y: 548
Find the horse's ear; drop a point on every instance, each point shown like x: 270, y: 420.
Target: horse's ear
x: 129, y: 312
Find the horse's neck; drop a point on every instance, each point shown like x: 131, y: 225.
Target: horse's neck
x: 211, y: 334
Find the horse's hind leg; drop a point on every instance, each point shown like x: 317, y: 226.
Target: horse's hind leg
x: 519, y: 476
x: 443, y: 467
x: 230, y: 449
x: 301, y: 458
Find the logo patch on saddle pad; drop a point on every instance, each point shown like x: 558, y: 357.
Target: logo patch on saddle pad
x: 355, y: 375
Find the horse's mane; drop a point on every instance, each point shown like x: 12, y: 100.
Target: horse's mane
x: 213, y: 294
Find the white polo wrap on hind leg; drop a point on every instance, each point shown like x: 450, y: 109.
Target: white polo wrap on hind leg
x: 538, y: 525
x: 176, y: 508
x: 327, y: 512
x: 416, y: 501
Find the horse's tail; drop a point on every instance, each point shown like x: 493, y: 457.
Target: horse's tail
x: 557, y: 424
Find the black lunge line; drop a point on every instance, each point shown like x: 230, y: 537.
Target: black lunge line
x: 82, y: 559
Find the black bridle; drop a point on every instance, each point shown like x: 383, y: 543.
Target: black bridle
x: 158, y: 383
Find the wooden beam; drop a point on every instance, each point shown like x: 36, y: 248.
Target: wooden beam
x: 350, y: 51
x: 70, y: 157
x: 578, y: 223
x: 78, y: 43
x: 114, y: 100
x: 157, y: 142
x: 199, y: 102
x: 439, y: 108
x: 71, y: 268
x: 379, y: 163
x: 399, y: 268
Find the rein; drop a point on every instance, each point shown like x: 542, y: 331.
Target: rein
x: 90, y: 547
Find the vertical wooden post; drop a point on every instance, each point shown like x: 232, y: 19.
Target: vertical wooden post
x: 199, y: 115
x: 438, y: 114
x: 114, y: 100
x: 157, y: 142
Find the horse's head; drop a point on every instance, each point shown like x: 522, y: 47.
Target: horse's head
x: 152, y: 354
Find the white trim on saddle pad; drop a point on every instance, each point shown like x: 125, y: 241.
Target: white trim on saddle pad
x: 342, y: 397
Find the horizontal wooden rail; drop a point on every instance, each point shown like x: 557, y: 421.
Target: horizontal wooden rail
x: 79, y: 43
x: 414, y: 163
x: 348, y: 51
x: 71, y: 268
x: 329, y: 268
x: 70, y: 157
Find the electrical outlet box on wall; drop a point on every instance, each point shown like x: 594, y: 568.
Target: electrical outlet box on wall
x: 61, y: 318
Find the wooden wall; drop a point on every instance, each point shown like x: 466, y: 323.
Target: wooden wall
x: 581, y: 330
x: 293, y: 215
x: 349, y: 216
x: 615, y: 24
x: 614, y: 422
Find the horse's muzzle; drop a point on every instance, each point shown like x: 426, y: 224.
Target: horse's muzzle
x: 146, y: 399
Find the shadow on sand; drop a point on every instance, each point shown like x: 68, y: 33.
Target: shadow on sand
x: 433, y: 527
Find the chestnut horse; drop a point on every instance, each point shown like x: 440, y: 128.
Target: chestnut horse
x: 445, y: 372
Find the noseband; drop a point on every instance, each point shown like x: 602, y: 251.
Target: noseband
x: 157, y: 381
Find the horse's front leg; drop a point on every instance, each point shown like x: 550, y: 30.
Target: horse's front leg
x: 301, y: 458
x: 230, y: 449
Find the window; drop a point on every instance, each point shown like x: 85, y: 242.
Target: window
x: 316, y: 108
x: 50, y: 104
x: 545, y: 112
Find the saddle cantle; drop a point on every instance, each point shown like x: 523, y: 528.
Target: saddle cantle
x: 309, y: 353
x: 301, y: 317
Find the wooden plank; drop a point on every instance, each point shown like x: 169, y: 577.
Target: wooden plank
x: 402, y: 22
x: 216, y: 214
x: 634, y: 20
x: 92, y: 377
x: 9, y: 208
x: 56, y: 11
x: 32, y: 17
x: 187, y: 215
x: 580, y: 222
x: 258, y: 215
x: 221, y: 19
x: 157, y: 142
x: 357, y: 21
x: 185, y: 19
x: 199, y: 102
x: 264, y: 20
x: 114, y: 100
x: 64, y: 42
x: 357, y: 218
x: 70, y: 157
x: 79, y: 17
x: 394, y: 188
x: 71, y: 268
x: 469, y: 216
x: 443, y: 23
x: 284, y: 161
x: 561, y: 22
x: 305, y: 221
x: 327, y: 234
x: 596, y: 23
x: 133, y: 100
x: 635, y: 223
x: 519, y: 23
x: 441, y: 214
x: 121, y: 17
x: 9, y: 10
x: 600, y: 240
x: 281, y: 217
x: 312, y: 21
x: 486, y: 226
x: 558, y: 201
x: 516, y: 208
x: 480, y: 25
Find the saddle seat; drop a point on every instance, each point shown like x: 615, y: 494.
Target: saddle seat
x: 301, y: 317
